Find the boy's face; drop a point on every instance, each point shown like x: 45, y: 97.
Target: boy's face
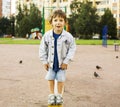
x: 58, y: 24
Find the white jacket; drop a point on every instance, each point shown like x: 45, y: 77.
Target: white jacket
x: 65, y: 48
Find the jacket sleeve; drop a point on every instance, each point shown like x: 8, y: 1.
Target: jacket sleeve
x: 71, y: 50
x: 43, y: 50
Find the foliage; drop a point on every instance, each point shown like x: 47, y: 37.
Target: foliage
x: 27, y: 19
x: 108, y: 19
x: 85, y: 19
x: 23, y: 26
x: 12, y: 21
x: 19, y: 18
x: 35, y: 17
x: 5, y: 26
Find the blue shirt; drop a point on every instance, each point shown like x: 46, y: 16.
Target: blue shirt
x: 56, y: 62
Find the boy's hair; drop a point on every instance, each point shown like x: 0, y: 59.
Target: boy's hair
x: 58, y: 13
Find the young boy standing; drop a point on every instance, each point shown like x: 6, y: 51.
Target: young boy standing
x: 57, y: 48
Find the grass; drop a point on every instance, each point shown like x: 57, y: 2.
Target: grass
x: 94, y: 42
x: 32, y: 42
x: 18, y: 41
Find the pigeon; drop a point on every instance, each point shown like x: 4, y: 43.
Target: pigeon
x: 20, y: 61
x: 96, y: 75
x: 98, y: 67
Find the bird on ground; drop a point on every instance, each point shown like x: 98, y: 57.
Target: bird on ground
x: 20, y: 61
x: 98, y: 67
x: 96, y: 74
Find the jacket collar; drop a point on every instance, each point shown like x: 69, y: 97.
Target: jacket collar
x: 62, y: 34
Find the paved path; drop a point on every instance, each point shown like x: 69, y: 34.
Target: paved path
x: 23, y: 85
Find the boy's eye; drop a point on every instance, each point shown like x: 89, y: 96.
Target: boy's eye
x: 61, y: 20
x: 55, y: 20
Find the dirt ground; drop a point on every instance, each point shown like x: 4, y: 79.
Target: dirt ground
x: 23, y: 85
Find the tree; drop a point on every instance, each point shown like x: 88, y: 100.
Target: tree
x: 19, y: 18
x: 5, y: 26
x: 12, y: 21
x: 85, y: 19
x: 75, y: 8
x: 35, y: 17
x: 108, y: 19
x: 27, y: 19
x: 24, y: 27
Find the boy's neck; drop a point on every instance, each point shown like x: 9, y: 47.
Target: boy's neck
x: 57, y: 32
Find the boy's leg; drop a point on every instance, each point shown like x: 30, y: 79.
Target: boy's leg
x: 51, y: 97
x: 51, y: 77
x: 59, y: 98
x: 60, y: 80
x: 51, y: 86
x: 60, y: 87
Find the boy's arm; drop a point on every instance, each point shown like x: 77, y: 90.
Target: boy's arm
x: 43, y: 51
x: 71, y: 51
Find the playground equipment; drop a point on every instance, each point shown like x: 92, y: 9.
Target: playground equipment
x: 116, y: 46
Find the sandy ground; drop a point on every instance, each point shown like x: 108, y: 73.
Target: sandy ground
x: 23, y: 85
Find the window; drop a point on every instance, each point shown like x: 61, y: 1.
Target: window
x: 107, y: 1
x: 114, y: 8
x: 102, y: 9
x: 114, y: 0
x: 115, y: 15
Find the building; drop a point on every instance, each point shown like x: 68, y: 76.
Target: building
x: 38, y: 3
x: 6, y: 8
x: 115, y: 8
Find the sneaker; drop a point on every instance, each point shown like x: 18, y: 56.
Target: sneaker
x: 59, y: 99
x: 51, y: 99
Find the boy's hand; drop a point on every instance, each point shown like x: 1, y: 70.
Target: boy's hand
x: 64, y: 66
x: 46, y: 66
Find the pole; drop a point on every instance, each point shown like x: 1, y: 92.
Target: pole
x: 58, y: 2
x: 66, y: 13
x: 43, y: 22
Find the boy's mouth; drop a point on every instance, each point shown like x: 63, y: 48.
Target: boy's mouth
x: 58, y: 26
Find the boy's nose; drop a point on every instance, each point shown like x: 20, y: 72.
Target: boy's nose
x: 58, y: 22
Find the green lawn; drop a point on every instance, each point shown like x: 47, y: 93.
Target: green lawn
x: 31, y: 41
x: 94, y: 42
x: 18, y: 41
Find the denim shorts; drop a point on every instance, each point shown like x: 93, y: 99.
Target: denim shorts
x: 59, y: 76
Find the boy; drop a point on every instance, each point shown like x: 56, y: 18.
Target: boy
x: 56, y: 50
